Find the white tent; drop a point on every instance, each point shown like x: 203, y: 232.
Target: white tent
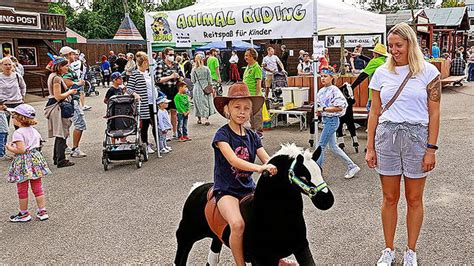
x: 229, y: 20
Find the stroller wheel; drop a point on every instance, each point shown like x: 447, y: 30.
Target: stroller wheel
x: 144, y: 153
x: 105, y: 162
x: 96, y: 93
x: 138, y: 161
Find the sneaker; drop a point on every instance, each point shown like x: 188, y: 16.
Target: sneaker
x: 77, y: 153
x: 86, y: 107
x: 168, y: 148
x: 149, y: 149
x: 42, y: 215
x: 68, y: 150
x: 163, y: 151
x: 20, y: 218
x: 181, y: 139
x: 409, y: 258
x: 352, y: 172
x: 186, y: 138
x: 387, y: 258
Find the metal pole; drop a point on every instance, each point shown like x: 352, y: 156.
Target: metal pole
x: 251, y: 42
x: 315, y: 137
x: 151, y: 69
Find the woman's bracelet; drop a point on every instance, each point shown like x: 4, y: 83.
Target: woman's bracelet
x: 432, y: 146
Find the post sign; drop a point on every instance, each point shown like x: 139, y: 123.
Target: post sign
x: 353, y: 40
x: 9, y: 18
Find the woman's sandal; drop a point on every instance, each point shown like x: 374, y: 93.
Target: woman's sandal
x: 65, y: 163
x: 199, y: 122
x: 207, y: 123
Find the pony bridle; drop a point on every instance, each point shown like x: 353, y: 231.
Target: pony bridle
x: 309, y: 190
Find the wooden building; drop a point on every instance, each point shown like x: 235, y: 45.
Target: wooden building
x: 27, y: 32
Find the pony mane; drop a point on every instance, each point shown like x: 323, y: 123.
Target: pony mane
x: 291, y: 150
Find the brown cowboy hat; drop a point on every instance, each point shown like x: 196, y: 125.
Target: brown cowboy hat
x: 238, y: 91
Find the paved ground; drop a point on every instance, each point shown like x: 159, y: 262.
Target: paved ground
x: 130, y: 215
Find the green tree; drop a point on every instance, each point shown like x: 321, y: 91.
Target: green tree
x: 452, y: 3
x: 103, y: 18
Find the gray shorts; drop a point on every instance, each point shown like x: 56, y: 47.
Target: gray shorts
x: 78, y: 117
x: 400, y: 148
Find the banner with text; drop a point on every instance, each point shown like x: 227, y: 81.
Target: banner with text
x: 352, y: 41
x: 290, y: 19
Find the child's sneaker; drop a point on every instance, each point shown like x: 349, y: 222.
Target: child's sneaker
x: 42, y: 215
x: 168, y: 148
x: 409, y: 258
x: 181, y: 139
x: 387, y: 258
x: 20, y: 218
x: 186, y: 138
x: 163, y: 151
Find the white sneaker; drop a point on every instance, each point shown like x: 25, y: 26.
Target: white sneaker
x: 387, y: 258
x: 68, y: 151
x: 86, y: 107
x: 409, y: 258
x: 77, y: 153
x: 352, y: 172
x: 149, y: 149
x: 163, y: 151
x: 168, y: 148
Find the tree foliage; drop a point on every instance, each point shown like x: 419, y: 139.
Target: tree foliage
x: 102, y: 18
x: 452, y: 3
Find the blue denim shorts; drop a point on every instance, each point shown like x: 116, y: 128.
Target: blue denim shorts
x: 78, y: 117
x: 400, y: 148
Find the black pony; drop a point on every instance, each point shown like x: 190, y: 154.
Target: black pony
x: 274, y: 222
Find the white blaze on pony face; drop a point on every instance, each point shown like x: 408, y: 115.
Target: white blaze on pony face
x: 313, y: 168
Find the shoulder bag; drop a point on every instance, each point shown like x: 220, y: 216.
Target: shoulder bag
x: 66, y: 105
x: 397, y: 93
x: 208, y: 89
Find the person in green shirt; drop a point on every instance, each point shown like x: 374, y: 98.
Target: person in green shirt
x: 253, y: 79
x: 181, y: 100
x: 213, y: 65
x: 379, y: 56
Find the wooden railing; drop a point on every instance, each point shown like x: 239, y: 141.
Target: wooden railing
x: 37, y: 82
x: 53, y: 22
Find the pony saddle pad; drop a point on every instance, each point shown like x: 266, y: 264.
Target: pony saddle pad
x: 213, y: 216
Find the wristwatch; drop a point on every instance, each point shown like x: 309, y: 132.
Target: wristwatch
x: 432, y: 146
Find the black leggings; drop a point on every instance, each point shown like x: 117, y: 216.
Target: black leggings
x: 145, y: 124
x: 59, y: 152
x: 106, y: 78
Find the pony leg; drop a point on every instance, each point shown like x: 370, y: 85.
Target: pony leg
x: 213, y: 257
x: 185, y: 243
x: 304, y: 257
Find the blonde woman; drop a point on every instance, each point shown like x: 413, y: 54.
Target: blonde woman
x: 201, y: 78
x: 140, y: 83
x: 402, y: 136
x: 130, y: 66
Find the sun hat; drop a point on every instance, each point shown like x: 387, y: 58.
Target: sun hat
x: 380, y: 49
x: 25, y: 110
x: 162, y: 99
x: 115, y: 75
x: 180, y: 84
x: 67, y: 50
x: 238, y: 91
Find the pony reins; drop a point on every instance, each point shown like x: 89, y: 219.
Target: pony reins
x: 309, y: 190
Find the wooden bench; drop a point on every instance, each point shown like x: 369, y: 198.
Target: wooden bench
x: 452, y: 81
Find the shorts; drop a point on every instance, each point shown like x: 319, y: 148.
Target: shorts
x: 170, y: 96
x: 268, y: 81
x: 78, y: 117
x: 219, y: 194
x: 400, y: 148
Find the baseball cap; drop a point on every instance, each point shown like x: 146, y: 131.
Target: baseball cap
x: 115, y: 75
x: 25, y: 110
x: 162, y: 100
x: 67, y: 50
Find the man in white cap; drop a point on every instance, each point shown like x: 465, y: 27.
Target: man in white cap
x: 73, y: 82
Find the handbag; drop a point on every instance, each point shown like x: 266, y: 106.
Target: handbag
x: 208, y: 89
x: 67, y: 109
x: 385, y: 108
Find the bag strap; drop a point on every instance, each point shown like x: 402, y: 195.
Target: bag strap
x: 405, y: 81
x: 197, y: 78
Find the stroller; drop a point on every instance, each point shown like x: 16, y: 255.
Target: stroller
x: 280, y: 80
x: 91, y: 81
x: 123, y: 120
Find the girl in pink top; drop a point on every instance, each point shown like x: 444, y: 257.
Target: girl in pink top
x: 29, y: 165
